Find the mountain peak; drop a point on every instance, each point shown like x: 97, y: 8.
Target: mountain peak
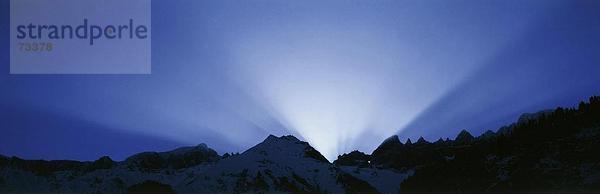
x: 464, y: 136
x: 286, y: 146
x: 408, y: 142
x: 421, y: 140
x: 354, y: 158
x: 391, y: 141
x: 273, y: 138
x: 439, y: 141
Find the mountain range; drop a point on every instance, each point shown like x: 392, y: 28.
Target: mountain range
x: 552, y: 151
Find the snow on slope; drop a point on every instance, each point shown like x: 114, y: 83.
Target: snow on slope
x: 277, y: 165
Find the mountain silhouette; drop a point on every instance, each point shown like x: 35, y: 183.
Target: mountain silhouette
x: 546, y: 152
x: 278, y: 164
x: 552, y: 151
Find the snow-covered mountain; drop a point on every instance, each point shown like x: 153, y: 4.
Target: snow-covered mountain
x: 277, y: 165
x: 549, y: 152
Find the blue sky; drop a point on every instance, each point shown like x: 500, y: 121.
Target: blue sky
x: 342, y: 75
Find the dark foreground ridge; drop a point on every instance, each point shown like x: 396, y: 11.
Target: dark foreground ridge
x: 551, y: 151
x: 546, y: 152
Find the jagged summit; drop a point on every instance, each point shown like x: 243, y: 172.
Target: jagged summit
x: 408, y: 142
x: 439, y: 141
x: 559, y: 146
x: 464, y: 136
x: 289, y: 138
x: 354, y: 158
x: 390, y: 144
x: 282, y: 163
x: 422, y: 140
x: 286, y: 146
x: 273, y: 140
x: 392, y: 141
